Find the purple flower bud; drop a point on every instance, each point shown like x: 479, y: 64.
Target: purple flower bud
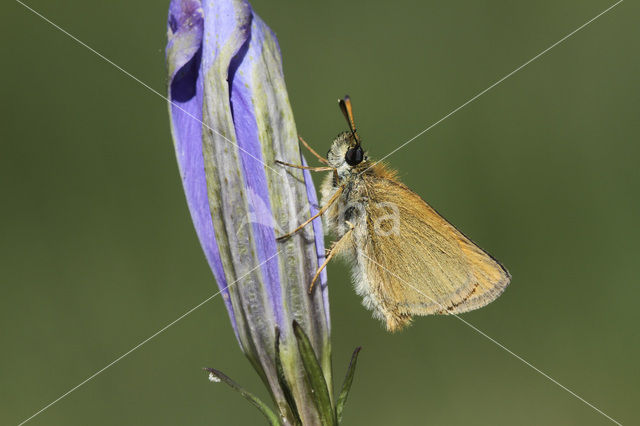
x: 230, y: 120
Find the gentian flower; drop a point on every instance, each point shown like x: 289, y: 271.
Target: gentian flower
x: 231, y: 120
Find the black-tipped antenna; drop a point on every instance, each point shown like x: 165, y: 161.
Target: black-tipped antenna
x: 345, y: 107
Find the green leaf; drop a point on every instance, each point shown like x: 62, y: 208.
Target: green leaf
x: 314, y: 375
x: 282, y: 379
x: 215, y: 375
x: 346, y: 385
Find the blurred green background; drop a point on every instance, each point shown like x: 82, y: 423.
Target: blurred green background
x: 98, y: 251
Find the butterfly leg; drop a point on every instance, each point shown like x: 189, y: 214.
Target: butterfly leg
x: 336, y: 248
x: 311, y: 150
x: 320, y: 212
x: 313, y: 169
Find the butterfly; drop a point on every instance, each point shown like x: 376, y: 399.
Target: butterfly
x: 406, y: 258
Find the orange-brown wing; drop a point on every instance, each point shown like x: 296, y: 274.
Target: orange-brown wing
x: 416, y: 262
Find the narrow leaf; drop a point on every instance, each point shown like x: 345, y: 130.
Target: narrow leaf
x: 346, y: 385
x: 282, y: 379
x: 217, y: 376
x: 314, y: 375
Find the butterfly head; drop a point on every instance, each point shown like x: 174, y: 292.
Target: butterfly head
x: 346, y: 151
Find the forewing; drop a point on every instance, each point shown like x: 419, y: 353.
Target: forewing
x: 417, y: 262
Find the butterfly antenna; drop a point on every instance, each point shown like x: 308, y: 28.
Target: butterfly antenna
x: 347, y: 111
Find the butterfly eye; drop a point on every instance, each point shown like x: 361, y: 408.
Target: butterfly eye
x: 354, y: 156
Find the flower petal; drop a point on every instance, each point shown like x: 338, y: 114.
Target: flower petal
x: 184, y: 51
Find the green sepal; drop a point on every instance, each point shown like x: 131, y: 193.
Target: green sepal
x: 282, y: 379
x: 346, y: 385
x: 274, y: 420
x: 314, y: 375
